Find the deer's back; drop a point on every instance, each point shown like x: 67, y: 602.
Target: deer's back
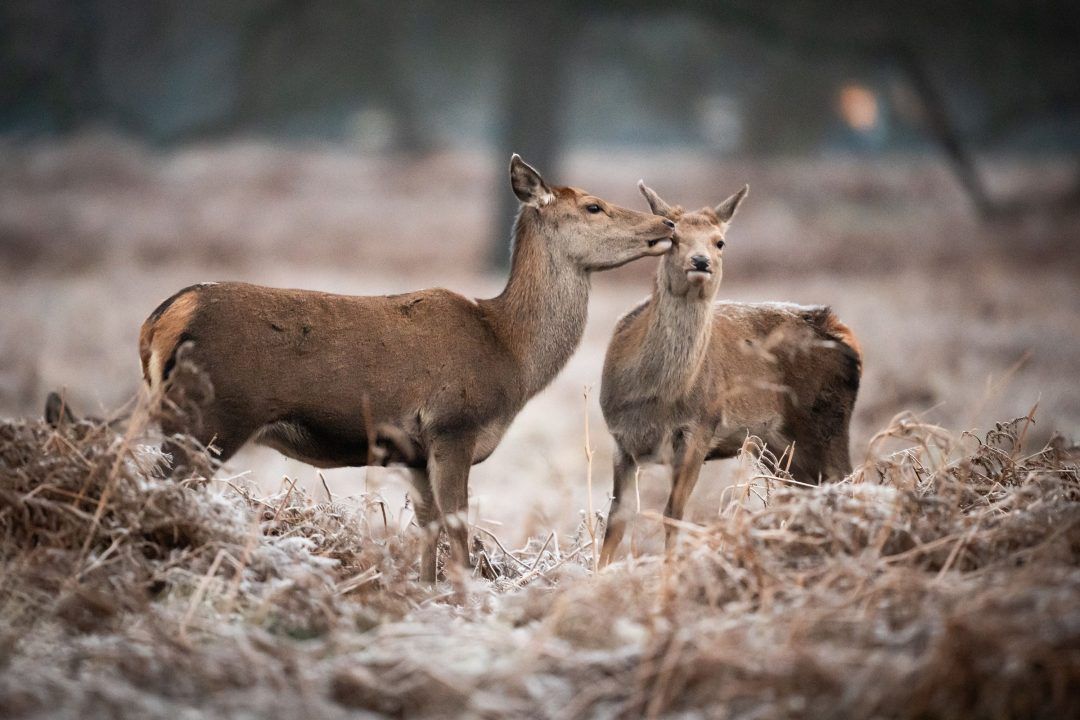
x: 766, y: 365
x: 802, y: 347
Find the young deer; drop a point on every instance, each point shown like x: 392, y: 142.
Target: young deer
x: 322, y: 378
x: 686, y: 379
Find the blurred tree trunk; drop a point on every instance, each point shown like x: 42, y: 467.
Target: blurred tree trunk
x: 399, y: 26
x: 944, y: 131
x: 538, y: 39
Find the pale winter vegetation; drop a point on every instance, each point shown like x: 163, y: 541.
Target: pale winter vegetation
x: 939, y: 581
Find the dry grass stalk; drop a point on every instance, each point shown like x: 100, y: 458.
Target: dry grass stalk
x: 590, y: 518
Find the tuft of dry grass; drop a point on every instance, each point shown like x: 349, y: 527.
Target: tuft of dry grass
x: 940, y: 580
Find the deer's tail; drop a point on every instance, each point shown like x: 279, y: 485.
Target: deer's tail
x: 844, y: 335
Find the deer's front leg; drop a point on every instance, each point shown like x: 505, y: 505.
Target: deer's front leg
x: 624, y: 470
x: 449, y: 462
x: 427, y: 516
x: 689, y: 456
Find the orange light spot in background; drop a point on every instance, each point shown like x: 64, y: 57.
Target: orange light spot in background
x: 858, y: 106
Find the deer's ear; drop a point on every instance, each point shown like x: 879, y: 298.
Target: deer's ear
x: 57, y: 411
x: 726, y: 210
x: 659, y: 207
x: 529, y: 187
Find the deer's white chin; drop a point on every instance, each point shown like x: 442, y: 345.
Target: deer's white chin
x: 659, y: 247
x: 698, y: 277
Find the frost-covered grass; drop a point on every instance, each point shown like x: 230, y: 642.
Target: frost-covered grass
x: 939, y: 581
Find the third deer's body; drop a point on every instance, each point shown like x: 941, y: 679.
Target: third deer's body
x: 686, y: 379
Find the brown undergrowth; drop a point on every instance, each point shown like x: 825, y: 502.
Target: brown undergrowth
x: 941, y: 580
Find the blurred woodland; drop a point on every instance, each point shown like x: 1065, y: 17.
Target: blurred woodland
x: 725, y: 77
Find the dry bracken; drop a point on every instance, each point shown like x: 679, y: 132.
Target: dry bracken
x: 940, y: 580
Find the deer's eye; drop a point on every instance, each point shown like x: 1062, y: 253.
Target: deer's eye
x: 720, y: 244
x: 594, y: 208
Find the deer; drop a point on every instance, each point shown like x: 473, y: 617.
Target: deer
x: 687, y: 379
x: 323, y: 378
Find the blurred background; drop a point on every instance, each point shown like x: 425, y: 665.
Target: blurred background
x: 915, y: 165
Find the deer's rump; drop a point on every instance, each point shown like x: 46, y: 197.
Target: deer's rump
x: 780, y: 371
x: 318, y: 376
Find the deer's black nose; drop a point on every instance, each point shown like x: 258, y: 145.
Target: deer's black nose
x: 700, y: 262
x: 670, y: 224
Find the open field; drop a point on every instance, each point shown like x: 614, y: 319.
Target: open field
x: 894, y: 596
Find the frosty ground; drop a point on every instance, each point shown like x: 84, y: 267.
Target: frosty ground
x: 935, y: 586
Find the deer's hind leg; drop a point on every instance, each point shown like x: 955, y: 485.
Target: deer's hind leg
x: 222, y: 436
x: 821, y: 450
x: 624, y: 469
x: 836, y: 460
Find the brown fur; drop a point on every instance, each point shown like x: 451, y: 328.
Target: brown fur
x: 321, y: 377
x: 687, y: 379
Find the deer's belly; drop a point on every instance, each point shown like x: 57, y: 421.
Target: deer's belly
x: 325, y: 450
x: 328, y: 447
x: 487, y: 440
x: 729, y: 438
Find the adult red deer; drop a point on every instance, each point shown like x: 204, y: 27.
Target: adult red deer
x: 686, y: 379
x: 322, y: 377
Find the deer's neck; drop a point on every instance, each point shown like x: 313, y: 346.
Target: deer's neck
x: 540, y: 315
x: 677, y: 334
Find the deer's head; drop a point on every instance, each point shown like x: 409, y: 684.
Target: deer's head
x: 582, y: 229
x: 694, y: 266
